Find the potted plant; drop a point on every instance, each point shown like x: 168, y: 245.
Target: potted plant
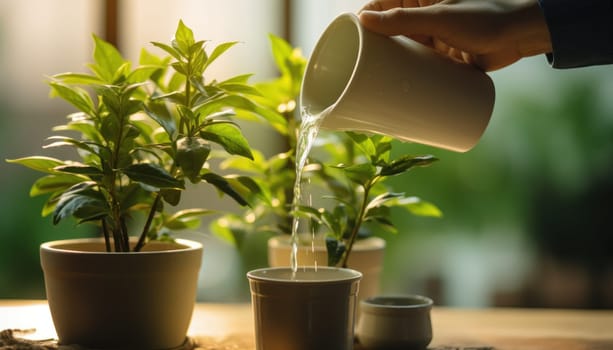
x: 347, y: 167
x: 355, y: 205
x: 141, y: 134
x: 362, y: 200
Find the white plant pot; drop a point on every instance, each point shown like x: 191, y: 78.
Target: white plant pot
x: 366, y: 257
x: 130, y: 300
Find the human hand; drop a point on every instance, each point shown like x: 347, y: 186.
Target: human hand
x: 490, y: 34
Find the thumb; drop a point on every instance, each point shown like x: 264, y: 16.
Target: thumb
x: 400, y: 21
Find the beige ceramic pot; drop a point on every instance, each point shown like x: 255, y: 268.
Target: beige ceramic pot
x: 366, y: 257
x: 306, y: 310
x: 395, y: 322
x: 104, y: 300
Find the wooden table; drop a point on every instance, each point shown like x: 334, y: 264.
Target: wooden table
x: 230, y: 326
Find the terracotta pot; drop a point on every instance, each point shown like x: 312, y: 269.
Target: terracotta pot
x: 131, y: 300
x: 366, y: 257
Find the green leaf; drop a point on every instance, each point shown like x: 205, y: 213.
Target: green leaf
x: 169, y: 49
x: 239, y: 79
x: 38, y: 163
x: 384, y: 149
x: 382, y: 199
x: 80, y: 169
x: 184, y: 219
x: 69, y: 141
x: 50, y: 205
x: 254, y: 188
x: 218, y: 51
x: 152, y: 175
x: 85, y: 127
x: 134, y: 196
x: 176, y: 97
x: 229, y: 136
x: 74, y: 95
x: 198, y: 60
x: 142, y: 73
x: 304, y: 211
x: 406, y: 163
x: 244, y: 164
x: 360, y: 174
x: 224, y: 186
x: 171, y: 196
x: 281, y: 51
x: 121, y: 72
x: 419, y: 207
x: 240, y: 89
x: 79, y: 201
x: 336, y: 249
x: 191, y: 154
x: 78, y: 78
x: 223, y: 101
x: 180, y: 67
x: 274, y: 119
x: 53, y: 183
x: 160, y: 114
x: 333, y: 223
x: 184, y: 38
x: 364, y: 143
x: 186, y: 114
x: 107, y: 60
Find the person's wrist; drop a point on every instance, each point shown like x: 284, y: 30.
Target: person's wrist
x: 529, y: 23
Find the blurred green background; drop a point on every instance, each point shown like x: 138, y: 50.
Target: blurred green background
x: 527, y: 213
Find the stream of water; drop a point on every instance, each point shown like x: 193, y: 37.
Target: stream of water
x: 307, y: 134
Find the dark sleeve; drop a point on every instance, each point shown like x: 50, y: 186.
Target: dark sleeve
x: 581, y: 32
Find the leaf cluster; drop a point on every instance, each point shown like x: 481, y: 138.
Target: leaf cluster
x: 359, y: 194
x: 140, y: 134
x: 271, y: 177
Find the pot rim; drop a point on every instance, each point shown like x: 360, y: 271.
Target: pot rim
x: 396, y: 302
x: 324, y: 274
x: 370, y: 243
x: 57, y: 246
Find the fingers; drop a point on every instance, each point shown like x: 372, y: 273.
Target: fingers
x: 381, y: 5
x: 397, y: 21
x: 384, y: 5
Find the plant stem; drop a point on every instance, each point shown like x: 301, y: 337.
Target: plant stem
x: 125, y: 236
x: 356, y: 226
x: 141, y: 240
x: 117, y: 229
x: 107, y: 239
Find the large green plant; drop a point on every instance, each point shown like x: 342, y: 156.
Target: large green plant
x: 140, y: 134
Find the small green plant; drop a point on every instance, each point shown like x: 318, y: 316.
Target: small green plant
x: 355, y: 181
x: 359, y: 192
x: 141, y: 134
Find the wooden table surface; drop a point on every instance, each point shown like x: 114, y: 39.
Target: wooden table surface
x: 230, y: 326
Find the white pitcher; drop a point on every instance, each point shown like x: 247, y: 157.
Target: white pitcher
x: 363, y: 81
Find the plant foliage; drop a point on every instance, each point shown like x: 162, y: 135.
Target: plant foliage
x: 270, y: 178
x: 355, y: 181
x: 140, y: 133
x: 359, y: 194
